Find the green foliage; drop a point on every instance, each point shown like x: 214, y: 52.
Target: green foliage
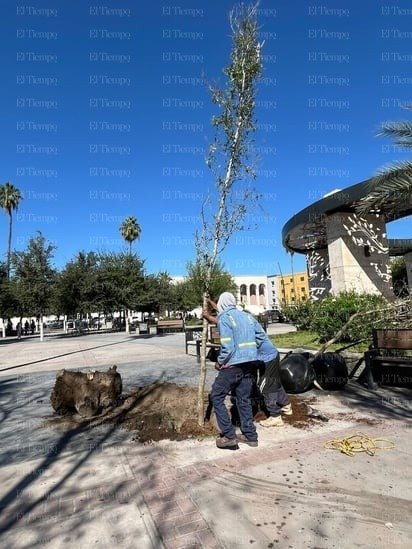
x: 104, y: 282
x: 332, y: 313
x: 392, y: 187
x: 194, y: 285
x: 160, y: 294
x: 224, y: 211
x: 304, y: 339
x: 77, y: 288
x: 301, y: 314
x: 130, y: 230
x: 34, y: 276
x: 121, y: 279
x: 399, y: 277
x: 328, y: 316
x: 9, y: 304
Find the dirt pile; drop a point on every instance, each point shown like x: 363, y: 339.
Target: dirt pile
x: 168, y: 411
x: 299, y: 418
x: 165, y: 411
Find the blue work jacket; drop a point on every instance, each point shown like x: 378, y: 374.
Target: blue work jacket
x: 240, y: 334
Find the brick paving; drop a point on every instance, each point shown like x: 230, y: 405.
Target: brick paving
x: 166, y: 488
x: 94, y: 489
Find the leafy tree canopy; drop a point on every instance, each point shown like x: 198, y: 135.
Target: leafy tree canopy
x: 34, y: 275
x: 193, y: 286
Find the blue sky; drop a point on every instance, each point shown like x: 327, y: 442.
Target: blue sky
x: 105, y: 114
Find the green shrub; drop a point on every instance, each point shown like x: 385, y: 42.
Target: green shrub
x: 330, y: 315
x: 301, y: 314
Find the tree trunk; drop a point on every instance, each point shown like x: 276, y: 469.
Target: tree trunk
x: 41, y: 328
x: 9, y: 246
x: 202, y: 373
x: 87, y: 394
x: 127, y: 319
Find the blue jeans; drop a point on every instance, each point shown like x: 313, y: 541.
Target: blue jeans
x: 238, y: 380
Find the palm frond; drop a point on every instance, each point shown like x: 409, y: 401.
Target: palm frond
x: 400, y: 132
x: 392, y: 185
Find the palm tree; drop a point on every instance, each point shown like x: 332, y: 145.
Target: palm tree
x: 130, y: 231
x: 393, y: 185
x: 9, y: 200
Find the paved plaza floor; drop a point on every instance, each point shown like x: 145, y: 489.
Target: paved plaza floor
x: 98, y: 487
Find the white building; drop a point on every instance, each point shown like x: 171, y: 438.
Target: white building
x: 258, y: 293
x: 254, y: 292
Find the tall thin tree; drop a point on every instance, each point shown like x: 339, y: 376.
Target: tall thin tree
x: 10, y: 198
x: 225, y: 209
x: 130, y: 231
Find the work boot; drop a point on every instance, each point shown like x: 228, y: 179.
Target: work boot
x: 225, y: 443
x: 287, y: 410
x: 272, y: 422
x: 242, y: 438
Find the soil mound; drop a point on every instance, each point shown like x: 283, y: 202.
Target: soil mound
x: 166, y: 410
x: 159, y: 411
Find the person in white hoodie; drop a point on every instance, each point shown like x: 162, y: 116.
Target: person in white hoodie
x: 236, y: 363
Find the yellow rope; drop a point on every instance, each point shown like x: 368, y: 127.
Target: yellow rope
x: 359, y: 443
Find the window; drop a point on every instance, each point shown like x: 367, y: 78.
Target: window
x: 302, y: 278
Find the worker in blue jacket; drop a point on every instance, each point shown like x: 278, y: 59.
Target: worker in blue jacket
x: 236, y: 363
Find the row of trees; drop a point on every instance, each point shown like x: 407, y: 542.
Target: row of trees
x: 96, y: 283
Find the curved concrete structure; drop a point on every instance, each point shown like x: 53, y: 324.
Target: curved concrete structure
x: 307, y: 229
x: 345, y: 251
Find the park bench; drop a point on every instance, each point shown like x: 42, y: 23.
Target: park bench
x: 389, y: 360
x: 170, y: 326
x: 193, y: 336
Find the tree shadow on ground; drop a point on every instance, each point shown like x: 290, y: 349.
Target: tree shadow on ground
x: 75, y: 455
x: 386, y: 402
x: 54, y: 488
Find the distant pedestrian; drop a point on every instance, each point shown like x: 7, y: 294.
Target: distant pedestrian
x: 18, y: 330
x: 26, y: 327
x: 32, y: 326
x: 9, y: 327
